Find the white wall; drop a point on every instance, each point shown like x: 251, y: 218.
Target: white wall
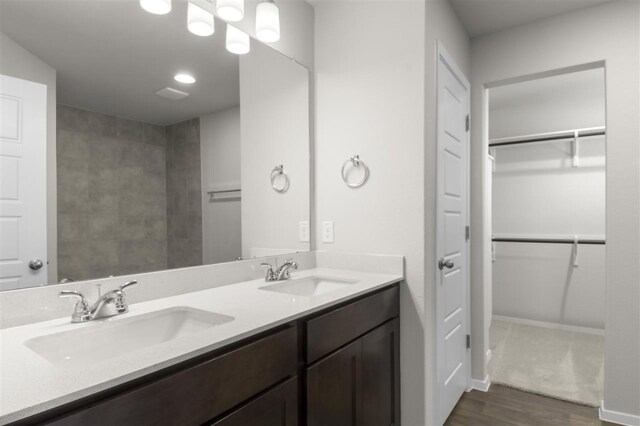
x: 17, y: 62
x: 563, y: 102
x: 609, y: 34
x: 375, y: 96
x: 274, y: 122
x: 220, y: 156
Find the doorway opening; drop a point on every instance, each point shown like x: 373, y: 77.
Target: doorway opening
x: 546, y: 186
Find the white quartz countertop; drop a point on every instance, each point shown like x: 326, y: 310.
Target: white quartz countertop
x: 30, y: 384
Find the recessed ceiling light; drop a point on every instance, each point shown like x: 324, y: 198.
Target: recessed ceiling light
x: 184, y: 78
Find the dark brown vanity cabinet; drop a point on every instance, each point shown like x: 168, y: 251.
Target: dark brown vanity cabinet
x: 336, y: 367
x: 358, y: 384
x: 199, y: 393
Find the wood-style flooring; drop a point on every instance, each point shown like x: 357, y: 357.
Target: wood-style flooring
x: 503, y: 406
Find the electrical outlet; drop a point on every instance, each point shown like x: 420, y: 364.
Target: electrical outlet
x: 303, y: 228
x: 327, y: 232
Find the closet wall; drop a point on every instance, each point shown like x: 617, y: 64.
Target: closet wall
x: 538, y: 193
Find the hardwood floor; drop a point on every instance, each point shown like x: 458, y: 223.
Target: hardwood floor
x: 503, y: 406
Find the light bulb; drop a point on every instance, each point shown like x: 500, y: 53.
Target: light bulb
x: 199, y: 21
x: 157, y: 7
x: 230, y: 10
x: 237, y: 41
x: 184, y: 78
x: 267, y: 22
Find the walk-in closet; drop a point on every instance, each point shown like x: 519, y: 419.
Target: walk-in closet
x: 546, y: 167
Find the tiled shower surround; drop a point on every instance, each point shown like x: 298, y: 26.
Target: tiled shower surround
x: 112, y: 194
x: 184, y: 195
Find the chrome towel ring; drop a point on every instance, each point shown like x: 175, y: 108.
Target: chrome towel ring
x: 355, y: 162
x: 279, y: 171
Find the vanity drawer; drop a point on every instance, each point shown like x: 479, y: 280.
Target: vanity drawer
x: 334, y: 329
x: 199, y: 393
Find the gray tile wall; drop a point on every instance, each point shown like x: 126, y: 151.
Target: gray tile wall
x: 112, y: 205
x: 184, y: 195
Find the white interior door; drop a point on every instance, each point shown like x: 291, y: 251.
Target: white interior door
x: 23, y: 209
x: 452, y: 290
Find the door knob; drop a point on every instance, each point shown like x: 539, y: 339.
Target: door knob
x: 36, y: 264
x: 445, y: 264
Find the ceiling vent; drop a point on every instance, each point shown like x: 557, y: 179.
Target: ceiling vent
x: 172, y: 94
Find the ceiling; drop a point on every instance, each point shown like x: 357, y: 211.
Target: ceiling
x: 111, y: 57
x: 481, y: 17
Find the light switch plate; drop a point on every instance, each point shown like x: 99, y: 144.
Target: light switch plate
x: 327, y: 232
x: 304, y: 231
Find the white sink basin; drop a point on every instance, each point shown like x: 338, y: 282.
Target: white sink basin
x: 97, y: 341
x: 309, y: 286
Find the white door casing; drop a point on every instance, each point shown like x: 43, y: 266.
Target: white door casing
x: 23, y: 209
x: 452, y: 205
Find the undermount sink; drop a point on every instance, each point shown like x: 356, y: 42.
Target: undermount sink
x: 309, y: 286
x: 102, y: 340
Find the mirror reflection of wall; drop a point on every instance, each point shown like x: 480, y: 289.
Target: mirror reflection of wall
x: 149, y: 173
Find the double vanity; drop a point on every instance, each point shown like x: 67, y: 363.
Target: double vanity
x: 317, y: 347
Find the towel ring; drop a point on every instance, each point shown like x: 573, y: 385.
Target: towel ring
x: 279, y: 171
x: 355, y: 162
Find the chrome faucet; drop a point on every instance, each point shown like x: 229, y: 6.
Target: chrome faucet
x: 280, y: 274
x: 112, y: 303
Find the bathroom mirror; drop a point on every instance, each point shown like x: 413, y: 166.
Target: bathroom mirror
x: 145, y: 172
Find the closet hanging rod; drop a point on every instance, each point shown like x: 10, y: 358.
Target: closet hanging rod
x: 548, y: 240
x: 224, y: 191
x: 547, y: 137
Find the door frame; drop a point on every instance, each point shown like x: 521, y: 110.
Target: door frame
x: 443, y: 55
x: 485, y: 313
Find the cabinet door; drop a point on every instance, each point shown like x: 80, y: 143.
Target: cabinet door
x: 278, y: 407
x: 381, y: 376
x: 333, y: 388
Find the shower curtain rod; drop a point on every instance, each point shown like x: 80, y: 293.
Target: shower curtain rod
x: 547, y: 137
x: 548, y: 240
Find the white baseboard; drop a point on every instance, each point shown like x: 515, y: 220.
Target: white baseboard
x: 617, y: 417
x: 551, y: 325
x: 481, y: 385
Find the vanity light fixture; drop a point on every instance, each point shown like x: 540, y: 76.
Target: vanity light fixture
x: 199, y: 21
x: 184, y: 78
x: 230, y: 10
x: 157, y: 7
x: 237, y: 41
x: 267, y: 22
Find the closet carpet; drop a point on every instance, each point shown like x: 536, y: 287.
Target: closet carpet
x: 562, y: 364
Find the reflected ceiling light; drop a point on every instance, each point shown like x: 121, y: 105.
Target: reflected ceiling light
x: 184, y: 78
x: 230, y: 10
x: 157, y: 7
x: 237, y: 41
x: 199, y: 21
x: 267, y: 22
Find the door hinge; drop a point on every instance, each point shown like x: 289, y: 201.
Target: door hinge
x: 467, y: 123
x: 467, y: 232
x: 468, y: 341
